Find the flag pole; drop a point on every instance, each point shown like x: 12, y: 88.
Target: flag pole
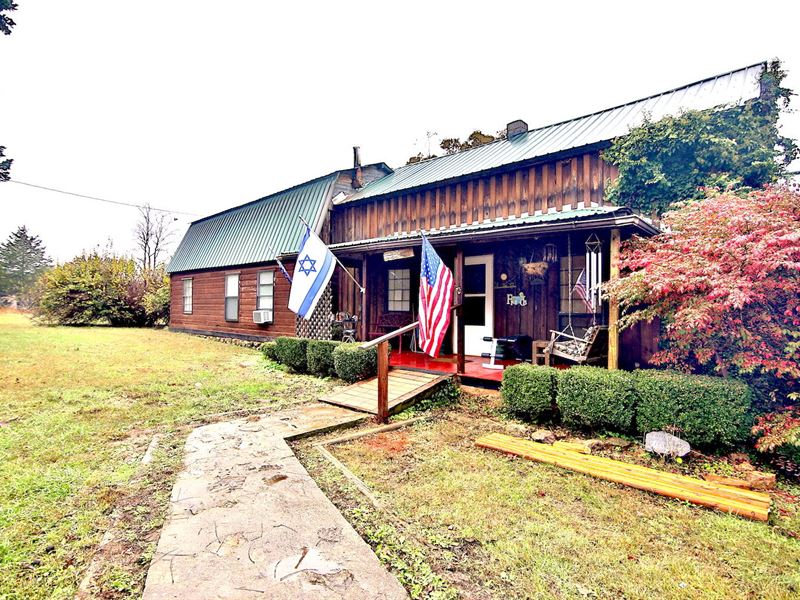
x: 280, y: 264
x: 360, y: 287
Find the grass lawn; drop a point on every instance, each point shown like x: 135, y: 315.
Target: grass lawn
x: 78, y: 408
x: 459, y: 521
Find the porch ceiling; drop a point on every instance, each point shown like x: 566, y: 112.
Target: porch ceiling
x: 567, y: 220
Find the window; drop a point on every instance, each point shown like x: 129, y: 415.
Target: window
x: 399, y: 290
x: 266, y: 290
x: 578, y: 306
x: 187, y: 296
x: 232, y: 297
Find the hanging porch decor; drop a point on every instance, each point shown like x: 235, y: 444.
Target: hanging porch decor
x: 594, y: 272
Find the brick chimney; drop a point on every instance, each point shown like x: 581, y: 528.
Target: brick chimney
x: 516, y: 128
x: 358, y: 179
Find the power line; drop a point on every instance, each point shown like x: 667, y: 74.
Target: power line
x: 118, y: 202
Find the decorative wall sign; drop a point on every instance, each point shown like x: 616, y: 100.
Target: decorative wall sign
x: 516, y: 299
x: 398, y: 254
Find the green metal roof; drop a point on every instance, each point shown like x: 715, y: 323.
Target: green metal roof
x: 726, y: 89
x: 508, y: 224
x: 253, y: 232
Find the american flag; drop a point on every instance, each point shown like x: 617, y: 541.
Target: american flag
x: 583, y: 291
x: 435, y: 297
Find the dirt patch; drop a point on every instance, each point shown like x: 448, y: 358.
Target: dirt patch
x: 391, y: 442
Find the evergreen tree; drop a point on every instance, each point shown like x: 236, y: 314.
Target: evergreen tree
x: 22, y: 259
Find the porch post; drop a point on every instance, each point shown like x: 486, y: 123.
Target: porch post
x: 364, y: 298
x: 459, y: 300
x: 613, y: 305
x: 383, y: 382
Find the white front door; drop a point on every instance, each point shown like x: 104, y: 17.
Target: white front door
x: 478, y: 303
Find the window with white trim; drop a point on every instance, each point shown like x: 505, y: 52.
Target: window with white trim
x: 265, y: 299
x: 187, y: 296
x: 232, y: 297
x: 399, y: 292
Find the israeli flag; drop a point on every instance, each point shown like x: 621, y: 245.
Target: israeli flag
x: 312, y: 272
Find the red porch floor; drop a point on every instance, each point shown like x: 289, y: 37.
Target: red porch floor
x: 446, y: 363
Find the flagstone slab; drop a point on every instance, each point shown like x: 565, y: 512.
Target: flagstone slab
x: 247, y: 521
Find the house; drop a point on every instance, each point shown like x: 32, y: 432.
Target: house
x: 519, y: 220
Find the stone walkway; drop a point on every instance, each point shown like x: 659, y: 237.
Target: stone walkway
x: 247, y: 521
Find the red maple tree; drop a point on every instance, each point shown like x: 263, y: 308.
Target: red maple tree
x: 724, y: 277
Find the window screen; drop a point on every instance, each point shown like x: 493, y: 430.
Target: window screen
x: 266, y: 290
x: 399, y: 292
x: 187, y: 296
x: 232, y: 297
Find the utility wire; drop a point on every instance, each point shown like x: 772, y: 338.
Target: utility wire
x: 50, y: 189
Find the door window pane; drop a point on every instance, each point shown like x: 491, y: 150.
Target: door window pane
x: 475, y: 279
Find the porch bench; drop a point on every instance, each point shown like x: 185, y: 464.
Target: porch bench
x: 389, y: 321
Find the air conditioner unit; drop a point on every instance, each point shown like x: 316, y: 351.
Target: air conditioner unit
x: 262, y: 316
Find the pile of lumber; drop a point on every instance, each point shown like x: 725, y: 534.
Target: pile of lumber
x: 742, y: 502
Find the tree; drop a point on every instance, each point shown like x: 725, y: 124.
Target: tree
x: 675, y: 158
x: 153, y: 232
x: 5, y: 21
x: 5, y: 165
x: 724, y: 278
x: 453, y: 145
x: 23, y: 259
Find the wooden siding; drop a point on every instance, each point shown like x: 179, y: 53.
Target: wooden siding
x: 208, y: 303
x: 576, y: 181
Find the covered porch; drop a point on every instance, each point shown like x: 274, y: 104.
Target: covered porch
x: 514, y: 279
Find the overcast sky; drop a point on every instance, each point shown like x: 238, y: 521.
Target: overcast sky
x: 197, y: 106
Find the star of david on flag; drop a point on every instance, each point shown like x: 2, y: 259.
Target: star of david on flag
x: 313, y: 272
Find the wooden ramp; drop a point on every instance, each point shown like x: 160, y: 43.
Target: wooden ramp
x: 745, y: 503
x: 405, y: 386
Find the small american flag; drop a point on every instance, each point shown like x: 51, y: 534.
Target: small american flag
x: 582, y: 290
x: 435, y: 297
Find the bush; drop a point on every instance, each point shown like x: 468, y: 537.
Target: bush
x: 319, y: 356
x: 707, y: 411
x: 269, y: 350
x: 353, y: 363
x: 529, y: 391
x: 291, y: 351
x: 596, y: 398
x: 779, y: 433
x: 156, y: 299
x: 101, y: 288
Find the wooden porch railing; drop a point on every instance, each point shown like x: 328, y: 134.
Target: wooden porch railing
x: 383, y: 361
x: 383, y: 367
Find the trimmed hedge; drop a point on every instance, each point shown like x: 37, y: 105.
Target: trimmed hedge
x: 291, y: 351
x: 529, y: 391
x: 708, y: 411
x: 595, y: 398
x: 354, y: 364
x: 319, y: 357
x: 268, y: 349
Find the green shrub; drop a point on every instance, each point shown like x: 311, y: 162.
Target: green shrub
x: 354, y: 364
x: 707, y: 411
x: 291, y: 351
x: 596, y: 398
x: 269, y: 350
x: 319, y: 356
x: 529, y: 391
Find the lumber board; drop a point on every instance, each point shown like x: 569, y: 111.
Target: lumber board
x: 745, y: 503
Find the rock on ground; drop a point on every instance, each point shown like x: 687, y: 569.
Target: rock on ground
x: 666, y: 444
